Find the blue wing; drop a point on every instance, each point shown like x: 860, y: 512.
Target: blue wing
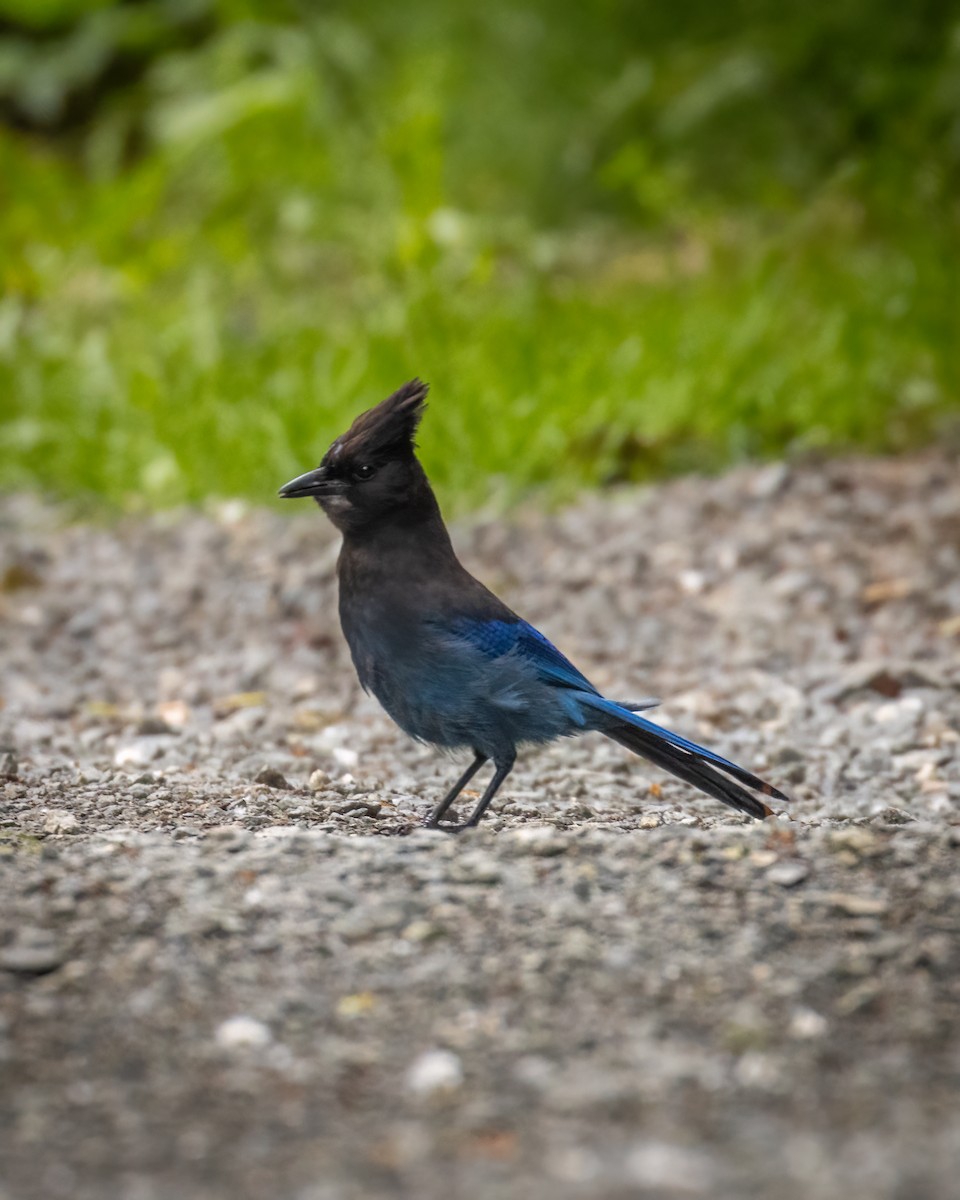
x: 496, y: 638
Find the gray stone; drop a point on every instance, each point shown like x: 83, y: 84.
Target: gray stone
x: 32, y: 956
x: 270, y: 777
x: 788, y: 873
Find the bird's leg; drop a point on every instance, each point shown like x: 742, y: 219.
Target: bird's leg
x: 503, y: 770
x: 433, y: 821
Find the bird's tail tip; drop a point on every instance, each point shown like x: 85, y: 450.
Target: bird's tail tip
x: 775, y: 794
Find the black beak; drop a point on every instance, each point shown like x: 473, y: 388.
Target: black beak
x: 314, y: 483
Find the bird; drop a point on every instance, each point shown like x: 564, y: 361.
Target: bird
x: 449, y: 661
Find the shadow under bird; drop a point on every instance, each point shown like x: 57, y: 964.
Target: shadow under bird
x: 448, y: 660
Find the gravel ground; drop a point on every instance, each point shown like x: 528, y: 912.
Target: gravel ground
x: 232, y: 964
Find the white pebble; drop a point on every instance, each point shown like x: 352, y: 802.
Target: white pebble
x: 60, y: 820
x: 345, y: 757
x: 692, y: 582
x: 241, y: 1031
x: 788, y: 873
x: 807, y: 1023
x: 434, y: 1072
x: 662, y: 1167
x: 542, y: 840
x: 134, y: 754
x: 531, y: 835
x: 906, y: 707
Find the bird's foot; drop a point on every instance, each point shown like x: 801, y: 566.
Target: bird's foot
x: 444, y: 826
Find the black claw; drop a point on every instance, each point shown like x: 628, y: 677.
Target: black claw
x: 446, y: 828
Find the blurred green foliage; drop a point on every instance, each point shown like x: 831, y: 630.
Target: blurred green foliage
x: 619, y: 239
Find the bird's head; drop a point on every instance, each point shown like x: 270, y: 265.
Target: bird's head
x: 371, y: 471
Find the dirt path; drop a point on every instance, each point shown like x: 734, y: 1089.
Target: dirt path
x: 223, y: 973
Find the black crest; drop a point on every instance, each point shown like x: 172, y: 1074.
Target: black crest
x: 389, y: 429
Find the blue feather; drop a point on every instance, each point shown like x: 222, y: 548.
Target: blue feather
x: 602, y: 704
x: 497, y: 638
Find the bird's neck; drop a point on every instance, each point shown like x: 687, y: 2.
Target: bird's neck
x: 410, y: 539
x: 416, y: 534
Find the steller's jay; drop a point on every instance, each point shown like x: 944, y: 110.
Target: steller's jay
x: 449, y: 662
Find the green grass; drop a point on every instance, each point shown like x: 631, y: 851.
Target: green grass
x: 319, y: 210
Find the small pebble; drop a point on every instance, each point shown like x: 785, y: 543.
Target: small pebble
x: 789, y: 873
x: 435, y: 1072
x: 358, y: 807
x: 138, y: 753
x: 60, y: 820
x: 857, y: 906
x: 541, y: 840
x: 242, y: 1031
x: 153, y: 726
x: 231, y: 837
x: 29, y: 957
x: 271, y: 778
x: 670, y: 1170
x: 806, y: 1023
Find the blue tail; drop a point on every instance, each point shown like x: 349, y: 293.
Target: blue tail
x: 685, y: 759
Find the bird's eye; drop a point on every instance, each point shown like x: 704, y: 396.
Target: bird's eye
x: 364, y: 471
